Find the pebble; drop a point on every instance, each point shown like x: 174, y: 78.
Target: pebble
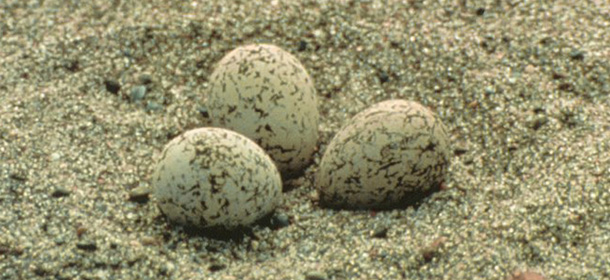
x: 577, y: 55
x: 383, y: 77
x: 100, y: 136
x: 537, y: 122
x: 315, y: 275
x: 140, y: 194
x: 527, y: 275
x: 145, y: 79
x: 381, y: 232
x: 432, y: 249
x: 60, y: 192
x: 86, y: 245
x: 204, y: 112
x: 55, y: 156
x: 302, y: 46
x: 217, y: 267
x: 279, y: 221
x: 137, y: 93
x: 112, y: 86
x: 153, y: 106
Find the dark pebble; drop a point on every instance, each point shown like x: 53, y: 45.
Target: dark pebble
x: 480, y: 11
x: 86, y: 245
x: 558, y: 75
x: 217, y: 267
x: 112, y: 86
x: 18, y: 177
x: 459, y: 150
x: 4, y: 250
x: 60, y: 192
x: 315, y: 275
x: 302, y: 46
x: 203, y: 111
x: 139, y: 194
x: 383, y: 77
x: 566, y: 87
x: 72, y: 65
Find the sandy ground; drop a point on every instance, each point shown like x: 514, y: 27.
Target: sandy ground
x: 523, y: 87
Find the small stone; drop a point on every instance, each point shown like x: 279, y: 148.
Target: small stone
x: 381, y: 232
x: 577, y: 55
x: 383, y: 77
x: 204, y: 112
x: 137, y: 93
x: 112, y: 86
x: 55, y: 156
x: 431, y: 251
x: 59, y: 241
x: 460, y: 149
x: 86, y: 245
x: 43, y: 270
x: 315, y: 275
x: 149, y: 241
x: 19, y: 176
x: 4, y: 249
x: 145, y: 79
x: 60, y: 192
x: 302, y: 46
x: 558, y: 75
x: 538, y: 122
x: 254, y: 245
x: 279, y: 221
x: 153, y: 106
x: 81, y: 230
x: 490, y: 90
x: 217, y: 267
x: 527, y: 275
x: 167, y: 268
x: 140, y: 194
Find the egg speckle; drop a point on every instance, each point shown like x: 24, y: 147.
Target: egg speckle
x: 388, y: 156
x: 264, y: 93
x: 213, y: 177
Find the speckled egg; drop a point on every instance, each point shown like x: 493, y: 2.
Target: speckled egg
x: 264, y: 93
x: 388, y: 156
x: 213, y: 177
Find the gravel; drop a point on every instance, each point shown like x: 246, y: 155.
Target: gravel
x: 523, y: 87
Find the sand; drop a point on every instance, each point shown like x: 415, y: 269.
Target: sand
x: 91, y: 91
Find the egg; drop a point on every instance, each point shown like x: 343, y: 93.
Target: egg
x: 264, y: 93
x: 215, y: 178
x: 390, y: 155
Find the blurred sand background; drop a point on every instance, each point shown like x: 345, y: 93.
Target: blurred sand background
x: 91, y: 91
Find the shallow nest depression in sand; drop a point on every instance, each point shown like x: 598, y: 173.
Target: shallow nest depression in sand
x: 522, y: 86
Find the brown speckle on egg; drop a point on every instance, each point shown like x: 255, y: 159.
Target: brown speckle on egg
x: 388, y: 156
x: 213, y: 177
x: 264, y: 93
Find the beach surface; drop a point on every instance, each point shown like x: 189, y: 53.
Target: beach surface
x: 91, y: 91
